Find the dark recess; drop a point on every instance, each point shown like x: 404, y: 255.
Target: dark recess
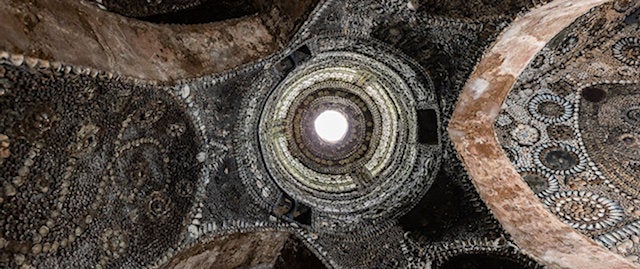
x: 295, y: 255
x: 207, y: 12
x: 289, y: 209
x: 438, y: 212
x: 294, y: 59
x: 427, y: 127
x: 479, y: 261
x: 633, y: 17
x: 593, y: 94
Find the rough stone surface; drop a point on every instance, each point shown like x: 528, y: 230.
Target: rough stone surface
x: 239, y: 250
x: 512, y: 202
x: 79, y: 33
x: 170, y: 161
x: 295, y: 255
x: 570, y: 124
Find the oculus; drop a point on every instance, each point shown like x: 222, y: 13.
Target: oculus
x: 342, y: 134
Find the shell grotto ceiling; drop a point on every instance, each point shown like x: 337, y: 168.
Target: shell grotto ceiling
x: 320, y: 134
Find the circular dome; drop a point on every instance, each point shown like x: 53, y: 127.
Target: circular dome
x: 331, y: 126
x: 339, y: 134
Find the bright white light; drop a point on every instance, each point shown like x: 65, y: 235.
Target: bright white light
x: 331, y: 126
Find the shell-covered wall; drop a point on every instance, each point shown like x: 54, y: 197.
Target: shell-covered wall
x: 178, y: 134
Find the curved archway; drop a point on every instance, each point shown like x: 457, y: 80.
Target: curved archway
x: 522, y: 215
x: 257, y: 249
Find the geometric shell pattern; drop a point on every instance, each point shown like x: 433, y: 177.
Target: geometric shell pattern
x: 142, y: 171
x: 571, y: 126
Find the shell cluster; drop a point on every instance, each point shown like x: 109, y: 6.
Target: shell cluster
x: 581, y: 106
x: 101, y: 171
x: 91, y: 169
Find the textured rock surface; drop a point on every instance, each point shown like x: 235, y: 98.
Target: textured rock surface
x: 295, y: 255
x: 104, y: 171
x: 512, y: 202
x: 240, y: 250
x: 79, y: 33
x: 569, y: 126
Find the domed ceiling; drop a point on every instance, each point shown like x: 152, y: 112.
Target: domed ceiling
x: 183, y: 134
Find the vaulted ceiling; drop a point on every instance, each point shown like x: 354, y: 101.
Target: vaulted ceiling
x: 180, y: 134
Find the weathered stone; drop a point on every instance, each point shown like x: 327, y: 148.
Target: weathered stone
x: 532, y: 227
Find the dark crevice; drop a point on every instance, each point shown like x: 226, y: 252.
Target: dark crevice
x: 480, y: 261
x: 294, y: 59
x: 293, y: 211
x: 633, y: 17
x: 427, y: 127
x: 439, y: 213
x: 295, y: 255
x: 476, y: 9
x: 207, y: 12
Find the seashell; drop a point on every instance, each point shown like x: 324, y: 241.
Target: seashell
x: 17, y: 59
x: 31, y: 62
